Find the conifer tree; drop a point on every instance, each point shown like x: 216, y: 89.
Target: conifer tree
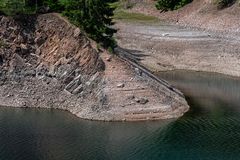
x: 94, y: 16
x: 12, y: 7
x: 166, y: 5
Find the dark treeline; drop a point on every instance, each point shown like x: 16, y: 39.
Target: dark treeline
x: 93, y: 16
x: 166, y: 5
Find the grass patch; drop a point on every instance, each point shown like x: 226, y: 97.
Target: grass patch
x: 2, y: 44
x: 118, y: 5
x: 122, y: 14
x: 221, y: 4
x: 134, y: 17
x: 122, y: 4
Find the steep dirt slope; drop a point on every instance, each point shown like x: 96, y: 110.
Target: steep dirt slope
x: 46, y: 62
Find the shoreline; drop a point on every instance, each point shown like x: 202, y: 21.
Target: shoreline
x: 197, y: 71
x: 54, y: 65
x: 165, y: 48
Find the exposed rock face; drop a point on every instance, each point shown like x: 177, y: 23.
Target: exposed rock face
x: 46, y: 62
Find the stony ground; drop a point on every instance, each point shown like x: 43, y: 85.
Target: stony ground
x: 130, y: 94
x: 46, y: 62
x: 203, y: 14
x: 163, y: 47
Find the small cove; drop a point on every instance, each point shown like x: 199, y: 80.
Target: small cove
x: 210, y: 130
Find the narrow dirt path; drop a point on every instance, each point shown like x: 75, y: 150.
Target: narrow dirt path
x: 162, y: 47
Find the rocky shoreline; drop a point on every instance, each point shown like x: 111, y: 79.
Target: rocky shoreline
x: 45, y: 62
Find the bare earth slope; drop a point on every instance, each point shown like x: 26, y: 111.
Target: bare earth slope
x: 200, y: 13
x: 167, y: 47
x: 199, y: 37
x: 46, y: 62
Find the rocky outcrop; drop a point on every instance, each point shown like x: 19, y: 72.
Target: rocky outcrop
x: 46, y: 62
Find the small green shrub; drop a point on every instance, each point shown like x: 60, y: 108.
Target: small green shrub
x: 166, y: 5
x: 12, y: 7
x: 54, y: 5
x: 127, y: 4
x: 182, y: 3
x: 2, y: 44
x: 134, y: 17
x: 110, y: 50
x: 225, y: 3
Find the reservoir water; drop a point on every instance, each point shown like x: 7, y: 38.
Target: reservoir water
x: 209, y: 131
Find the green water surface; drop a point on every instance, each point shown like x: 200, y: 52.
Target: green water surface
x: 209, y: 131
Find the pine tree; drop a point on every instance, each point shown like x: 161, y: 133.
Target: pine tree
x: 12, y: 7
x: 99, y: 13
x: 166, y: 5
x: 94, y: 16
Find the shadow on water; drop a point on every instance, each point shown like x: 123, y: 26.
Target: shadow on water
x: 211, y: 129
x: 53, y: 134
x: 208, y: 90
